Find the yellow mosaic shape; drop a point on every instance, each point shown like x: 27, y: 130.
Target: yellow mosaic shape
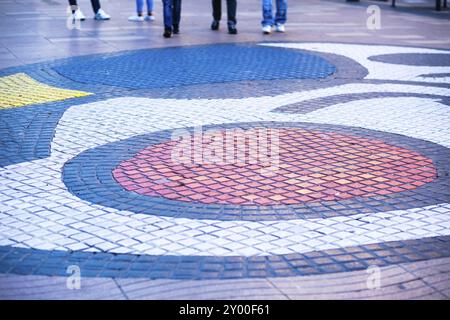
x: 20, y: 89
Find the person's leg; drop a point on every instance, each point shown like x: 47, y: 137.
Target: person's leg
x: 167, y: 12
x: 73, y: 5
x: 98, y: 11
x: 95, y: 5
x: 168, y: 21
x: 139, y: 17
x: 140, y: 7
x: 281, y: 15
x: 176, y: 12
x: 267, y: 13
x: 176, y: 16
x: 149, y: 7
x: 217, y: 9
x: 76, y: 12
x: 231, y: 11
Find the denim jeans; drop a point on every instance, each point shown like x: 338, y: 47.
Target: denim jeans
x: 280, y: 17
x: 140, y: 6
x: 231, y: 10
x: 172, y: 12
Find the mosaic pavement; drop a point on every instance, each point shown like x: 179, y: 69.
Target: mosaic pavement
x: 87, y: 178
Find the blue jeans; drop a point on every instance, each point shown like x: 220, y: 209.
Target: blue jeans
x: 280, y: 17
x: 172, y: 12
x: 140, y: 6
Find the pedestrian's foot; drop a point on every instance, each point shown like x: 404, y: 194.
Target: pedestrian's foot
x: 102, y: 15
x: 150, y: 17
x: 232, y: 28
x: 136, y: 18
x: 280, y: 28
x: 167, y: 33
x: 176, y: 29
x: 267, y: 29
x: 78, y: 15
x: 215, y: 25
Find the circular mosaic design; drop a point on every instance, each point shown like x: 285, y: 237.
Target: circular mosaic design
x: 311, y: 166
x: 91, y: 174
x: 175, y: 67
x: 362, y: 171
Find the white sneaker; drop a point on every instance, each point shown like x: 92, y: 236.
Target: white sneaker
x: 149, y: 18
x: 136, y: 18
x: 267, y: 29
x: 78, y: 15
x: 280, y: 28
x: 102, y: 15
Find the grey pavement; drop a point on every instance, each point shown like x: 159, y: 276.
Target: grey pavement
x: 421, y: 280
x: 36, y: 30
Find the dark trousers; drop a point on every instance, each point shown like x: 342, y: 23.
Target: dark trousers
x: 95, y: 4
x: 231, y: 10
x: 172, y: 13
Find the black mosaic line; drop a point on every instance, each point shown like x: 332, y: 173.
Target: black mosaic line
x: 414, y: 59
x: 308, y: 106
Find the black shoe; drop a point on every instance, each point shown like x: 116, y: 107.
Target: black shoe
x: 215, y: 25
x: 232, y: 28
x: 167, y: 33
x: 176, y: 29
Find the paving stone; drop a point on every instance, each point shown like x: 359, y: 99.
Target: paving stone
x: 366, y: 125
x: 397, y: 283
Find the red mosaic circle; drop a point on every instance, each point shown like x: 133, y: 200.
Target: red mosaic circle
x: 313, y: 166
